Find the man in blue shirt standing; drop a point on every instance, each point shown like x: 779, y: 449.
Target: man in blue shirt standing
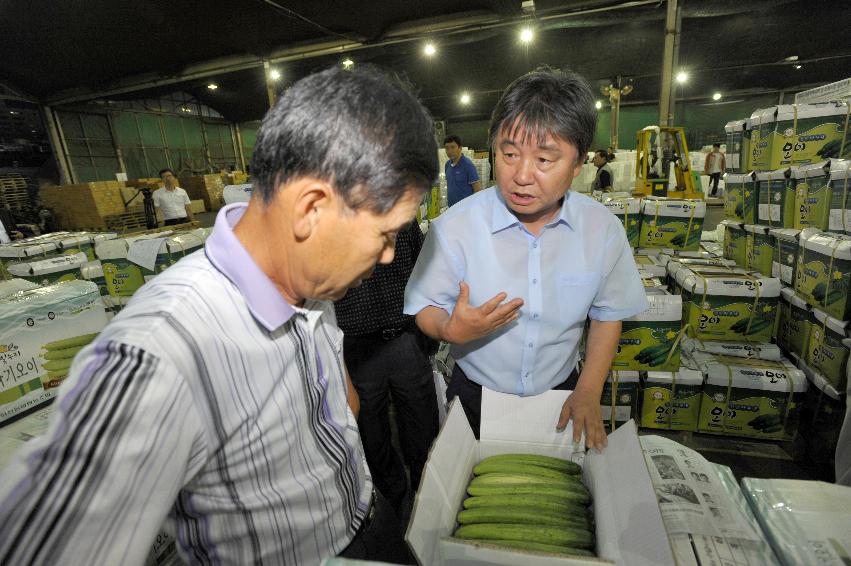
x: 462, y: 179
x: 560, y: 256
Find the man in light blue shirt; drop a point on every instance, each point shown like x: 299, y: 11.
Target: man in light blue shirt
x: 462, y: 178
x: 561, y: 256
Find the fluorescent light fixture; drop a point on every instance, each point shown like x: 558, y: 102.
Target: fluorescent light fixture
x: 799, y: 67
x: 465, y: 98
x: 792, y: 58
x: 212, y: 86
x: 429, y: 49
x: 526, y: 35
x: 347, y: 63
x: 274, y: 74
x: 716, y: 96
x: 681, y: 77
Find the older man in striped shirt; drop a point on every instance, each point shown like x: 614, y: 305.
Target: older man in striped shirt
x: 218, y: 398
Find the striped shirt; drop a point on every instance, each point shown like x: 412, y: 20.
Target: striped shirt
x: 208, y: 401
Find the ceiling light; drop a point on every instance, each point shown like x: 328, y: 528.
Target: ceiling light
x: 13, y: 112
x: 429, y: 49
x: 212, y: 86
x: 347, y: 63
x: 185, y: 109
x: 716, y: 96
x: 598, y: 104
x: 799, y: 67
x: 274, y: 74
x: 526, y: 35
x: 791, y: 58
x: 682, y: 77
x: 465, y: 98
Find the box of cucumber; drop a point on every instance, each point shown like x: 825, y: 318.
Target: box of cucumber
x: 41, y: 330
x: 524, y: 494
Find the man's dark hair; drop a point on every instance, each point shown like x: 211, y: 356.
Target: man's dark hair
x: 718, y: 145
x: 166, y: 170
x: 452, y: 138
x: 547, y: 102
x: 361, y: 131
x: 604, y: 153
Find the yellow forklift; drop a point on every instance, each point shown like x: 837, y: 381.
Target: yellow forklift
x: 658, y: 148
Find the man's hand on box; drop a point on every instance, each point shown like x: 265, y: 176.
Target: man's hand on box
x: 583, y: 408
x: 469, y: 323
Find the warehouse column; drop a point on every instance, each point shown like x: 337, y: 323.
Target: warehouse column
x: 270, y: 83
x: 57, y: 142
x: 669, y: 60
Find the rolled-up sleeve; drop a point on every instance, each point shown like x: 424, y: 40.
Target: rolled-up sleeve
x: 435, y: 278
x: 621, y: 294
x: 472, y: 173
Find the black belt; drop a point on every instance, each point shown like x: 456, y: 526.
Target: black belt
x: 386, y: 334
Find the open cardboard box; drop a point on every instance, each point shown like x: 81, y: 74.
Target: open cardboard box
x: 628, y: 521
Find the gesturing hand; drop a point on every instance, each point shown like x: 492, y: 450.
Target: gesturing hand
x: 470, y: 323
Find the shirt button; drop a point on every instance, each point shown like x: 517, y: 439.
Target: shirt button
x: 535, y: 245
x: 534, y: 281
x: 535, y: 315
x: 530, y: 344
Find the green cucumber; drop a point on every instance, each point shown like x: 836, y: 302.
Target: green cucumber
x: 522, y: 515
x: 522, y: 469
x: 541, y: 502
x: 559, y: 536
x: 76, y: 341
x: 58, y: 365
x: 559, y: 464
x: 61, y: 354
x: 519, y: 479
x: 565, y: 493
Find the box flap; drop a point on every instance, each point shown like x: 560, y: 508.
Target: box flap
x: 527, y: 420
x: 634, y: 534
x: 444, y: 474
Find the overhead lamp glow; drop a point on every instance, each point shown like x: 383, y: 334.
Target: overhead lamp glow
x: 12, y: 112
x: 212, y: 86
x: 598, y: 105
x: 682, y: 77
x: 465, y: 98
x: 275, y: 74
x: 799, y: 67
x: 716, y: 96
x: 186, y: 109
x: 348, y: 63
x: 527, y: 35
x: 791, y: 58
x: 429, y: 49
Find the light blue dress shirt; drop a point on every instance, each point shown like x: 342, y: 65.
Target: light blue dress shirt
x: 579, y: 266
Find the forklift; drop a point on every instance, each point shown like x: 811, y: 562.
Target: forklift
x: 658, y: 148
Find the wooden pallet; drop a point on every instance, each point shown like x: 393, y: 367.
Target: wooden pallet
x: 14, y: 193
x: 126, y: 221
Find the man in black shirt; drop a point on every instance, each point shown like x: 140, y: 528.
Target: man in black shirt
x: 387, y: 356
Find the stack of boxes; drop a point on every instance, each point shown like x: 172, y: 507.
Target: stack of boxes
x: 209, y: 188
x: 84, y: 206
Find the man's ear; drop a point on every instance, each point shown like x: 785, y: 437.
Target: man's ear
x: 310, y: 200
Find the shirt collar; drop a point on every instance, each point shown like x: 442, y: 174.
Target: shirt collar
x: 502, y: 217
x: 229, y: 256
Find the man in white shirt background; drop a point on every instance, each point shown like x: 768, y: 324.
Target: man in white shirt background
x: 172, y: 201
x: 715, y: 166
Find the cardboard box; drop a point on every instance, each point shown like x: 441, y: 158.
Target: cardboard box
x: 672, y: 399
x: 759, y: 250
x: 628, y: 211
x: 823, y: 274
x: 649, y: 340
x: 197, y: 206
x: 28, y: 321
x: 208, y: 188
x: 740, y: 198
x: 51, y: 270
x: 84, y: 205
x: 628, y: 521
x: 776, y: 194
x: 671, y: 223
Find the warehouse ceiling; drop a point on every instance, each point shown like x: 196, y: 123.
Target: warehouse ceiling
x: 72, y: 51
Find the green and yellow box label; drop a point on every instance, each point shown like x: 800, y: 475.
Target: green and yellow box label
x: 647, y: 345
x: 661, y: 409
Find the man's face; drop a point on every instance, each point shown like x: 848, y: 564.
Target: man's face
x: 453, y: 150
x: 598, y: 160
x: 353, y: 242
x: 168, y: 179
x: 534, y: 175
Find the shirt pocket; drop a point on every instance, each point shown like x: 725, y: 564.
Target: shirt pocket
x: 576, y: 292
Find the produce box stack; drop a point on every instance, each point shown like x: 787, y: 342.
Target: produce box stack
x: 741, y: 198
x: 821, y: 417
x: 628, y: 211
x: 208, y: 188
x: 51, y: 270
x: 735, y: 242
x: 799, y: 134
x: 41, y: 330
x: 776, y: 196
x: 124, y: 276
x: 737, y: 146
x: 84, y: 205
x: 674, y: 224
x: 619, y: 402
